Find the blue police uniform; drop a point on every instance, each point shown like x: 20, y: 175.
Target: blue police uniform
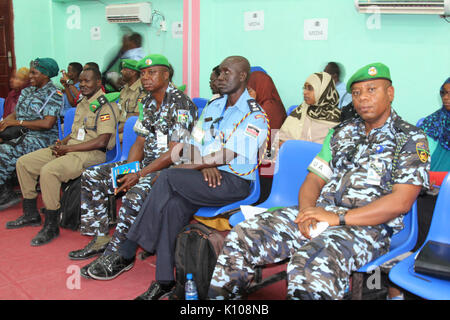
x: 179, y: 193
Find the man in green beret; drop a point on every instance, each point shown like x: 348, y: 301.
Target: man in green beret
x: 360, y: 185
x: 166, y: 117
x: 131, y: 94
x: 93, y: 133
x: 35, y: 116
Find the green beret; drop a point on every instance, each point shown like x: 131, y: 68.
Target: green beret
x: 46, y: 66
x: 130, y: 64
x: 372, y: 71
x: 153, y: 60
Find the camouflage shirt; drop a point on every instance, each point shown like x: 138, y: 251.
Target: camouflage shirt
x: 35, y: 104
x: 359, y: 169
x: 173, y: 122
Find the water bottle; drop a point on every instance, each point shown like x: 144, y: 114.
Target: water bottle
x: 190, y: 288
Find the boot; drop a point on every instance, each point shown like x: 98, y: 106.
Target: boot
x: 50, y: 230
x: 8, y: 197
x: 30, y: 217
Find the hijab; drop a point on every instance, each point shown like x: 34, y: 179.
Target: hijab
x: 437, y: 125
x: 312, y: 122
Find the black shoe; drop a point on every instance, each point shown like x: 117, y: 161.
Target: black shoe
x: 8, y: 199
x: 30, y: 217
x: 156, y: 291
x: 84, y: 270
x: 50, y: 230
x: 91, y: 250
x: 110, y: 266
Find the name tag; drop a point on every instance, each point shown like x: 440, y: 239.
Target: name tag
x: 374, y: 173
x: 161, y: 140
x: 81, y: 134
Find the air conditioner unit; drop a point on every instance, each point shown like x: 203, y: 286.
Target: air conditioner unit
x: 439, y: 7
x: 129, y: 13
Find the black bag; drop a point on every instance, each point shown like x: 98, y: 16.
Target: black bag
x: 13, y: 132
x: 196, y: 251
x: 434, y: 260
x: 71, y: 204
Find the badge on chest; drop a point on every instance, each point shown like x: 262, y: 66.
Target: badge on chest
x: 374, y: 172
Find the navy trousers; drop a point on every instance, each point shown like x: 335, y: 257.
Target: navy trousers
x: 174, y: 199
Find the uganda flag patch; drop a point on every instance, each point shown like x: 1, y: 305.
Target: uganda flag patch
x: 58, y: 92
x: 105, y: 117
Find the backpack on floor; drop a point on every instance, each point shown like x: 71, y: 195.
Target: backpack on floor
x: 196, y: 251
x: 71, y: 204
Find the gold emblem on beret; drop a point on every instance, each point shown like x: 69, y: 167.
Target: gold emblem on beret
x: 373, y: 71
x: 148, y: 62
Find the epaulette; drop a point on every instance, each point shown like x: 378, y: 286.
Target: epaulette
x: 404, y: 126
x: 103, y: 99
x: 253, y: 105
x: 209, y: 102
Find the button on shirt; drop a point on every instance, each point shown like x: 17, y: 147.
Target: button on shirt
x: 360, y: 166
x: 37, y: 103
x: 215, y: 128
x: 172, y: 122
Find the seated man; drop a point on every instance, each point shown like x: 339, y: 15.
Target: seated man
x: 168, y: 117
x: 227, y: 140
x: 93, y: 132
x: 366, y: 177
x: 131, y: 94
x: 36, y: 116
x: 71, y: 83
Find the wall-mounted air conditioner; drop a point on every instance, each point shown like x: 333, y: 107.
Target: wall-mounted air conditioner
x: 439, y: 7
x: 129, y: 13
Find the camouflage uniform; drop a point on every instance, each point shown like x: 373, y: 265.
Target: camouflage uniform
x: 96, y: 182
x: 33, y: 104
x: 320, y: 268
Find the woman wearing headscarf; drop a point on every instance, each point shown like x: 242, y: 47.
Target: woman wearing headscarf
x: 437, y: 128
x: 17, y: 83
x: 317, y: 114
x: 32, y: 126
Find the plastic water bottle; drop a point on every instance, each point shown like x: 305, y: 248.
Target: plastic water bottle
x: 190, y: 288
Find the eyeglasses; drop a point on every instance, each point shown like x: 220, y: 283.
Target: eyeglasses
x: 444, y: 93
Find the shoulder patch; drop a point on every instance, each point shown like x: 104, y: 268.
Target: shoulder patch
x: 253, y: 105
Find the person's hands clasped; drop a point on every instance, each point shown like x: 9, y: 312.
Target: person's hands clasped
x: 212, y: 176
x: 59, y: 149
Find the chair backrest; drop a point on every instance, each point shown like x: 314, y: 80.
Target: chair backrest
x: 440, y: 223
x: 200, y: 103
x: 419, y: 122
x: 291, y: 108
x: 257, y: 68
x: 2, y: 105
x: 114, y: 155
x: 409, y: 233
x: 68, y: 121
x: 129, y: 137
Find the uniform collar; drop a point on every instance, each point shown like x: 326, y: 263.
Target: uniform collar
x: 95, y: 96
x: 241, y: 103
x: 136, y: 85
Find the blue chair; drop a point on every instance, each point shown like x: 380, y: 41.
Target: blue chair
x: 291, y: 108
x: 2, y: 105
x: 293, y: 160
x: 255, y: 189
x: 419, y: 122
x: 68, y: 121
x: 114, y: 154
x: 200, y: 103
x: 257, y: 68
x: 403, y: 274
x: 129, y: 137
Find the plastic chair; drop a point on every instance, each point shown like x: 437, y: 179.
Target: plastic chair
x: 403, y: 274
x: 255, y: 189
x: 2, y: 105
x: 68, y: 121
x: 293, y: 160
x: 114, y: 154
x: 419, y: 122
x: 129, y: 137
x: 257, y: 68
x: 200, y: 103
x: 291, y: 108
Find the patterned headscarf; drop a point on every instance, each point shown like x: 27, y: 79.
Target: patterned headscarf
x: 327, y: 99
x: 437, y: 125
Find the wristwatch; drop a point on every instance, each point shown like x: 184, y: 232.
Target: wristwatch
x: 69, y: 82
x: 341, y: 213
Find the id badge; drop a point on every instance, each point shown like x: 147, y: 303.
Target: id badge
x: 81, y: 134
x: 198, y: 134
x: 374, y: 173
x: 161, y: 140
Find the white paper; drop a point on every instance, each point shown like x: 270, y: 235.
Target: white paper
x: 315, y: 29
x: 253, y: 20
x: 177, y: 29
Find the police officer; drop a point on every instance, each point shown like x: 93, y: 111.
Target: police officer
x: 131, y: 94
x: 93, y: 132
x: 226, y: 140
x: 36, y: 112
x: 168, y: 117
x: 368, y: 174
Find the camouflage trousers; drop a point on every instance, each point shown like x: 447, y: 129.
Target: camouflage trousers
x: 96, y: 185
x: 10, y: 154
x: 317, y: 269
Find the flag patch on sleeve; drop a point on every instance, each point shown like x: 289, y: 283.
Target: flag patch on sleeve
x: 105, y: 117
